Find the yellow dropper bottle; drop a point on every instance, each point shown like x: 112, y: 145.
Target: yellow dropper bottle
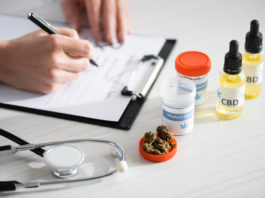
x: 253, y: 61
x: 231, y: 86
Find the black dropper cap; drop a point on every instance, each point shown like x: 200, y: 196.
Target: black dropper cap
x: 253, y: 42
x: 233, y: 59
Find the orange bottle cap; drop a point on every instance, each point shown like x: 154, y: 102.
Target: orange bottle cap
x: 193, y: 64
x: 157, y: 158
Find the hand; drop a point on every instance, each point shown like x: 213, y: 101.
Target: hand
x: 112, y: 14
x: 43, y: 63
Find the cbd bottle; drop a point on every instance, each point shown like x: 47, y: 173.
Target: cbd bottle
x: 231, y: 86
x: 253, y: 61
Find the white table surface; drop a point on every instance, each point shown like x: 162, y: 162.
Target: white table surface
x: 219, y: 159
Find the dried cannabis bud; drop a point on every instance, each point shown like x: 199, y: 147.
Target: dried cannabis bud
x: 150, y: 149
x: 158, y: 145
x: 163, y: 133
x: 150, y: 137
x: 162, y: 145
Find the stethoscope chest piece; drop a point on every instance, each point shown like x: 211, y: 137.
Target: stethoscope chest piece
x: 64, y: 160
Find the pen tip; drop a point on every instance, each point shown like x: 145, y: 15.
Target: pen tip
x: 30, y: 14
x: 93, y: 62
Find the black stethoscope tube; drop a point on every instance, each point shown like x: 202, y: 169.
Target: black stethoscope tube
x: 12, y: 185
x: 10, y: 136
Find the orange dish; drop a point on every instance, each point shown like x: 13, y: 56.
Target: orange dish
x: 157, y: 158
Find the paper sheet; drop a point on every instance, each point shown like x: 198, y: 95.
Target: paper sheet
x: 96, y: 94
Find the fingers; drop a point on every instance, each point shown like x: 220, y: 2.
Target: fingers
x: 127, y: 17
x: 69, y: 54
x: 71, y: 46
x: 109, y: 20
x: 67, y: 32
x: 112, y: 13
x: 73, y: 64
x: 93, y: 8
x: 122, y: 20
x: 71, y: 9
x: 60, y: 72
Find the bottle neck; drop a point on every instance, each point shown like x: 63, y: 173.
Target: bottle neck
x: 232, y: 71
x: 251, y: 53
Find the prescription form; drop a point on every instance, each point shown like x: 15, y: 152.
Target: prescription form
x: 97, y: 92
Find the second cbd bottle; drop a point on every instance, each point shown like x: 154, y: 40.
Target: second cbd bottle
x: 231, y: 86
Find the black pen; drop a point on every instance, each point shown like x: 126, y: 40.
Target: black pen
x: 48, y: 28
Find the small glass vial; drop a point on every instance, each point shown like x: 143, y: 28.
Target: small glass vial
x: 195, y: 66
x: 231, y: 86
x: 178, y: 100
x: 253, y: 61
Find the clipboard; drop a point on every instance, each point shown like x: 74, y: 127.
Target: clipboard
x: 132, y: 109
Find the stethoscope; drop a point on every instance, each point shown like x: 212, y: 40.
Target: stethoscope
x: 62, y: 158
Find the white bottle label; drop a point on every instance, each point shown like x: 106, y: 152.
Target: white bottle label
x: 201, y: 89
x: 178, y: 120
x: 231, y: 97
x: 253, y: 74
x: 201, y: 84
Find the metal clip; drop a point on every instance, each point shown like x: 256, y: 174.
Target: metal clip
x: 147, y: 81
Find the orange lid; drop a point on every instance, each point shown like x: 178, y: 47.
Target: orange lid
x: 193, y: 63
x: 157, y: 158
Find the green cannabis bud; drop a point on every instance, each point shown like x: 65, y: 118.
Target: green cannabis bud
x: 164, y: 133
x: 160, y: 144
x: 150, y: 137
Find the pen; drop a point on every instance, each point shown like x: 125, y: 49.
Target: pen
x: 48, y: 28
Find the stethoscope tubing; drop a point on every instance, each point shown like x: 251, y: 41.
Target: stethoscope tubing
x: 25, y: 147
x: 37, y: 149
x: 36, y: 184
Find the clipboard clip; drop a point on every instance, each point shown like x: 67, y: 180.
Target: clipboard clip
x: 148, y: 80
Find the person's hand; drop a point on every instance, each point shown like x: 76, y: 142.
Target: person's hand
x: 110, y: 15
x: 43, y: 63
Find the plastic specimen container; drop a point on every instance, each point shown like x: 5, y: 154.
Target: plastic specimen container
x: 195, y: 66
x: 178, y: 100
